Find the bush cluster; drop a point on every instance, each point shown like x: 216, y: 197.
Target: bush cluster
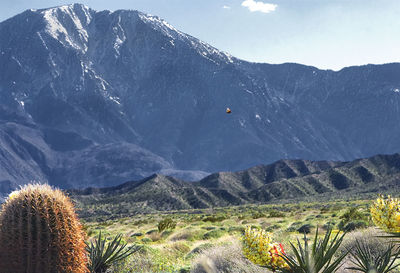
x: 165, y: 224
x: 323, y: 255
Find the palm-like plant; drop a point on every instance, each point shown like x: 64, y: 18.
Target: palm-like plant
x: 365, y: 261
x: 317, y: 258
x: 102, y: 254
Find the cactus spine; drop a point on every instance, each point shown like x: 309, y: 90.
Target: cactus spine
x: 40, y: 233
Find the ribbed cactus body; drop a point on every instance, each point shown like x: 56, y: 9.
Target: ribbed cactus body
x: 40, y: 233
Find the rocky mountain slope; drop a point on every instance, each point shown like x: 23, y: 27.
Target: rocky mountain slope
x: 283, y: 180
x: 95, y: 98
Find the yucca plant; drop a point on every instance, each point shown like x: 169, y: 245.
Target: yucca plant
x: 365, y: 261
x: 317, y: 258
x: 103, y: 254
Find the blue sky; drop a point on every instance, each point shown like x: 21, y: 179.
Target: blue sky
x: 329, y: 34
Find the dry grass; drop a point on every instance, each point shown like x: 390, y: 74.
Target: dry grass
x: 224, y: 259
x: 136, y: 263
x: 187, y: 235
x: 368, y: 237
x: 155, y: 236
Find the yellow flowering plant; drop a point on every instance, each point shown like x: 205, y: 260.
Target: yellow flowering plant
x: 319, y: 257
x: 385, y: 213
x: 259, y: 249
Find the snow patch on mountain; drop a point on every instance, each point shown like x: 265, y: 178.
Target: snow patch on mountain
x: 204, y: 49
x: 133, y: 77
x: 120, y: 36
x: 115, y: 99
x: 56, y: 29
x: 162, y: 25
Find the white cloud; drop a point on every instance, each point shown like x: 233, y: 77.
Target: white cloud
x: 259, y: 6
x: 226, y: 7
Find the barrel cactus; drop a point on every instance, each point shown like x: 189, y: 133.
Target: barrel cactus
x: 40, y: 233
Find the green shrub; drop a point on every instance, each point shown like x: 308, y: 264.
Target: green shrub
x: 273, y: 228
x: 209, y: 228
x: 306, y: 229
x: 351, y: 215
x: 294, y: 226
x: 187, y: 235
x: 236, y: 229
x: 179, y: 247
x: 166, y: 233
x: 198, y: 249
x: 329, y: 224
x: 257, y: 215
x: 141, y: 222
x: 354, y: 225
x: 276, y: 214
x: 167, y: 223
x: 215, y: 218
x: 324, y: 209
x: 146, y: 240
x: 151, y: 231
x: 213, y: 234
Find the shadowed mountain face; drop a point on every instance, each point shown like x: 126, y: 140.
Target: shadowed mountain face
x: 93, y: 98
x: 283, y: 180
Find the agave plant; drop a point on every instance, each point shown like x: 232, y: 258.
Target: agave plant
x: 103, y: 254
x: 365, y: 261
x: 317, y: 258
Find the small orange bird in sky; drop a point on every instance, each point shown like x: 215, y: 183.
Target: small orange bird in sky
x: 228, y: 111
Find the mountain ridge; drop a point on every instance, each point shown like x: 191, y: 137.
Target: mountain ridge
x: 361, y: 178
x: 95, y: 98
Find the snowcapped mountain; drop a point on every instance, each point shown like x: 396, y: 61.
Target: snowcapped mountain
x: 95, y: 98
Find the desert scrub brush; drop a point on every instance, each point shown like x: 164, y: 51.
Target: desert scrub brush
x: 40, y: 233
x: 166, y: 223
x: 259, y: 249
x: 385, y: 213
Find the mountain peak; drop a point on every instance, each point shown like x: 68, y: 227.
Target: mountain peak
x: 87, y: 89
x: 75, y: 7
x: 68, y: 24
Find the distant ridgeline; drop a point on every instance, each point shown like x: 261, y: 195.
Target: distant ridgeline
x: 96, y: 98
x: 283, y: 180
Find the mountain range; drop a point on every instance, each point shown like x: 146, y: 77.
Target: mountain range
x: 96, y: 98
x: 282, y: 181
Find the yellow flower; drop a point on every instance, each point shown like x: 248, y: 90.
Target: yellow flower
x: 385, y: 213
x: 12, y: 195
x: 259, y: 249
